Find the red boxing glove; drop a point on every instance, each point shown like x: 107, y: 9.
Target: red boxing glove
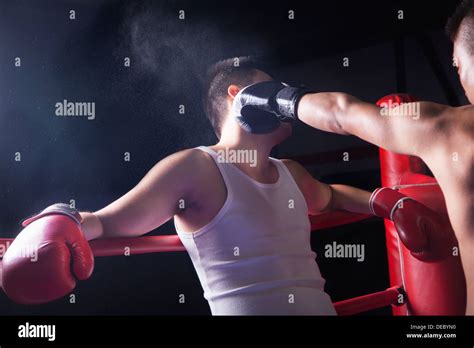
x: 43, y: 262
x: 420, y: 229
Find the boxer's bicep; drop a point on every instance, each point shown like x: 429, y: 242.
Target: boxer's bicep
x: 412, y: 131
x: 317, y: 194
x: 367, y: 122
x: 153, y: 201
x: 320, y: 196
x: 407, y: 129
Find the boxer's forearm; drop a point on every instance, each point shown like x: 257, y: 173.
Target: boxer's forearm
x: 91, y: 226
x: 350, y: 199
x: 325, y: 111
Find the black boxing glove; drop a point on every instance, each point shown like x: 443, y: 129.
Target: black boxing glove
x: 259, y: 108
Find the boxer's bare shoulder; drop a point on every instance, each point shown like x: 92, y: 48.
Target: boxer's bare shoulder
x: 458, y: 121
x: 208, y: 193
x: 456, y: 144
x: 452, y: 163
x: 207, y: 178
x: 178, y: 185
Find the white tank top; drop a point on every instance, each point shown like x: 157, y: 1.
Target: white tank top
x: 254, y: 257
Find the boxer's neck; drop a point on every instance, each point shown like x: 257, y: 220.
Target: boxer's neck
x: 259, y: 148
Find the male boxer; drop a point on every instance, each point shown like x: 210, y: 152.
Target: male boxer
x: 244, y: 223
x: 441, y: 135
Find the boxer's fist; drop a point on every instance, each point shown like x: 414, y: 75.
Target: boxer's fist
x: 259, y: 108
x: 420, y: 229
x: 44, y: 261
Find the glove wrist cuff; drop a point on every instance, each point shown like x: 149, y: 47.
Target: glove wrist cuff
x: 397, y: 205
x: 372, y: 205
x: 287, y: 101
x: 385, y: 201
x: 55, y: 209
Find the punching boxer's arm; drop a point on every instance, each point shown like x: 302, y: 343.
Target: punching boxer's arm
x: 259, y: 108
x: 149, y: 204
x: 322, y: 197
x: 344, y: 114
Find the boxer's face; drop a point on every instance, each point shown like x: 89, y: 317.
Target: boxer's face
x: 464, y: 61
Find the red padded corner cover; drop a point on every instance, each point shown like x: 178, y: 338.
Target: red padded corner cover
x: 432, y: 288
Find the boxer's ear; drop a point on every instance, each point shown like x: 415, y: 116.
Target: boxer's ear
x: 232, y: 91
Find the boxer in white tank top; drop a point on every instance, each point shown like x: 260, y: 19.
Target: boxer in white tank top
x: 254, y: 256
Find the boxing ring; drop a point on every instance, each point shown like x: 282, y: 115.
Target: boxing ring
x: 416, y: 287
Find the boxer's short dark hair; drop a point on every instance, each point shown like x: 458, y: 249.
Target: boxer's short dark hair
x: 238, y: 71
x: 465, y: 10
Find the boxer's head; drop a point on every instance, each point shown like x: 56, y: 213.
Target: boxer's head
x: 223, y: 81
x: 460, y: 29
